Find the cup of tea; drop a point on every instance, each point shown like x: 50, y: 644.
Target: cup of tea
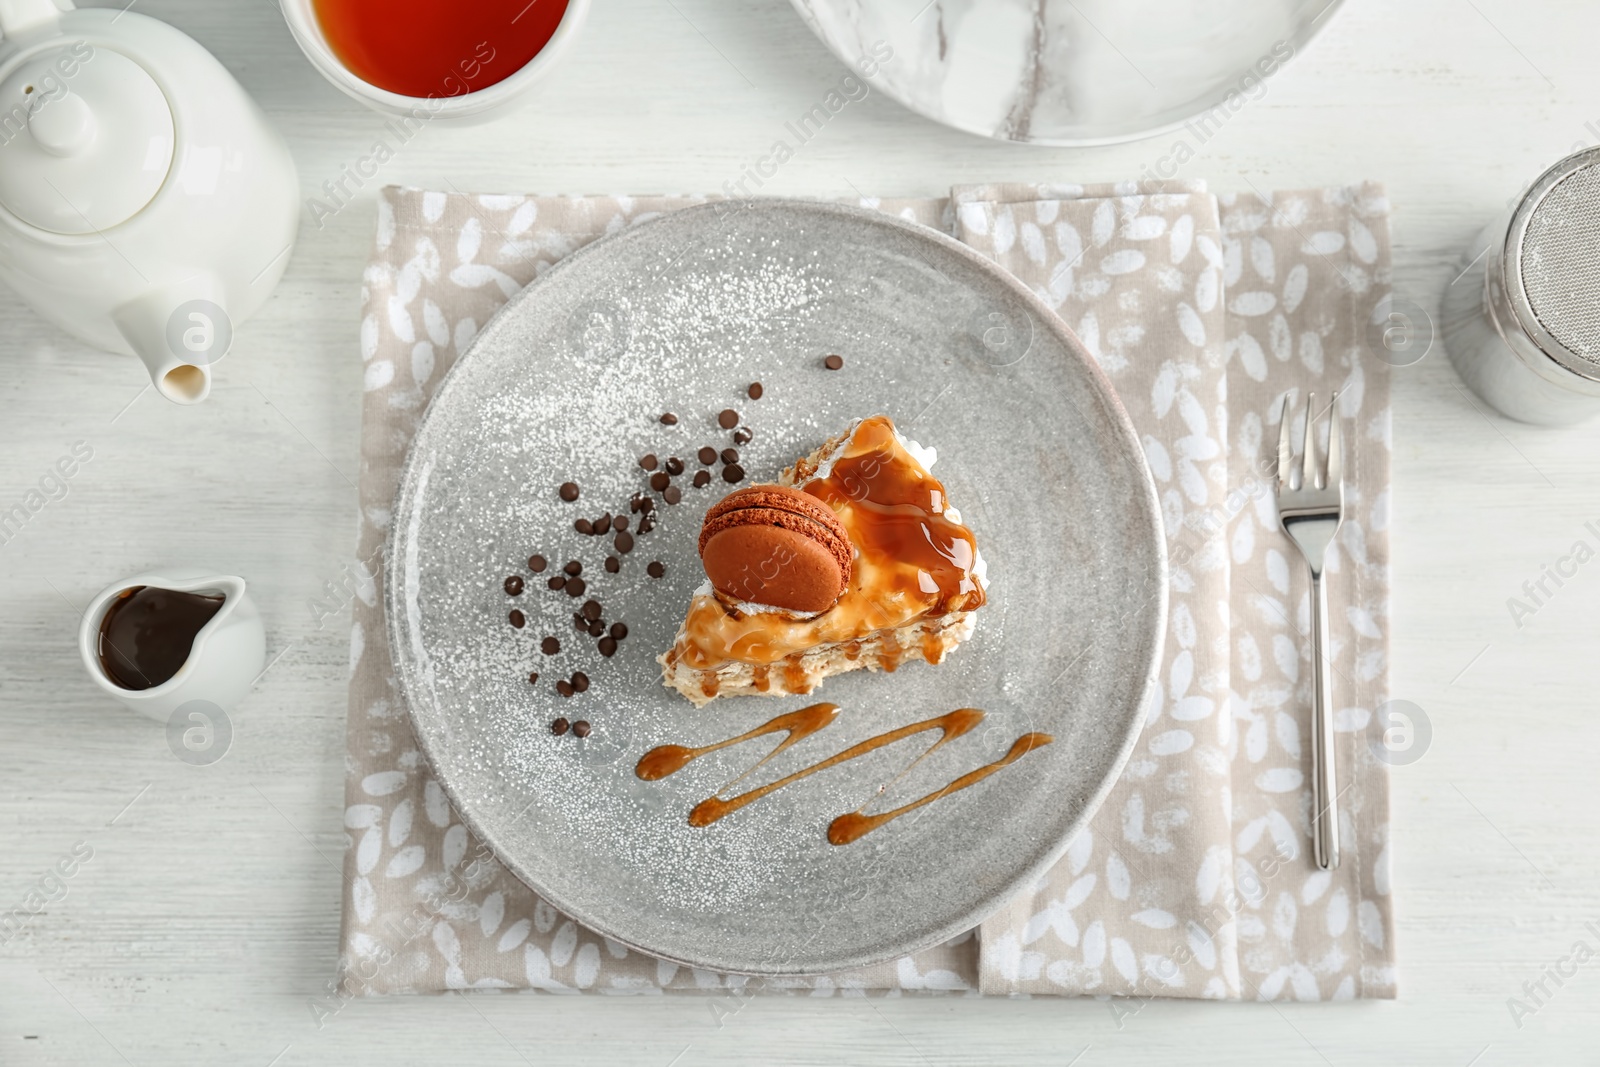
x: 158, y: 641
x: 426, y: 59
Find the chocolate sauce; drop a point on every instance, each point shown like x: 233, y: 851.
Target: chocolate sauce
x: 660, y: 762
x: 147, y: 633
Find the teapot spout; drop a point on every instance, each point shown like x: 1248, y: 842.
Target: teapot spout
x: 178, y: 332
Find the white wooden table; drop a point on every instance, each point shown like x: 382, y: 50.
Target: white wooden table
x: 207, y: 919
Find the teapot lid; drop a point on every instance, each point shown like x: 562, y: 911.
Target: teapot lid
x: 86, y: 139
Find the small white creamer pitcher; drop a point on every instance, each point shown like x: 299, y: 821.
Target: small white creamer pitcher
x: 225, y: 657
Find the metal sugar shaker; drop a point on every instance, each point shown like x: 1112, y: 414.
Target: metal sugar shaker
x: 1522, y: 321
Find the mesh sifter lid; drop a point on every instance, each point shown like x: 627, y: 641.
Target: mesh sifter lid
x: 1552, y: 259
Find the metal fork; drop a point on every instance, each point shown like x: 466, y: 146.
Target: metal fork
x: 1311, y: 509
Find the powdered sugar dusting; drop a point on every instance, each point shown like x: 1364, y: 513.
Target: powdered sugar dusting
x: 568, y: 384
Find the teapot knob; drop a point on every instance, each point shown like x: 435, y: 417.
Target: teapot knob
x: 63, y: 127
x: 96, y: 140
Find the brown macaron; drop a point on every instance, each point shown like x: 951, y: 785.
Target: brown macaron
x: 773, y: 545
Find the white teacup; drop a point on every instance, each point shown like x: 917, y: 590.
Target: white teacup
x: 224, y: 660
x: 465, y: 107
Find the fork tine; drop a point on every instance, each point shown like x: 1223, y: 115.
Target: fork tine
x: 1335, y: 445
x: 1285, y: 454
x: 1308, y: 445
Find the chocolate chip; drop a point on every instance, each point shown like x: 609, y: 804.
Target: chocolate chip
x: 581, y: 728
x: 743, y: 435
x: 620, y: 522
x: 514, y: 585
x: 672, y: 494
x: 549, y: 646
x: 834, y: 362
x: 533, y: 678
x: 624, y: 540
x: 595, y: 629
x: 559, y: 727
x: 647, y: 524
x: 674, y: 466
x: 591, y: 609
x: 754, y: 392
x: 573, y: 567
x: 576, y: 587
x: 733, y: 473
x: 637, y: 503
x: 580, y: 682
x: 564, y: 687
x: 579, y: 623
x: 536, y: 564
x: 603, y: 525
x: 702, y: 479
x: 647, y: 505
x: 613, y: 564
x: 558, y: 581
x: 728, y: 419
x: 619, y: 630
x: 648, y: 461
x: 583, y: 526
x: 660, y: 480
x: 730, y: 455
x: 669, y: 419
x: 569, y: 491
x: 655, y: 570
x: 608, y: 646
x: 518, y: 619
x: 708, y: 455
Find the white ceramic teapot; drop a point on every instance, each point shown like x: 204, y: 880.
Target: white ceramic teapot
x: 146, y: 206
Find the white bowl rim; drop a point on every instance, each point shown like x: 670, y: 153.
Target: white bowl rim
x: 302, y: 20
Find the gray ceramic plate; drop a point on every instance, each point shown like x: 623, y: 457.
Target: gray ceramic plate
x: 1077, y: 73
x: 681, y: 314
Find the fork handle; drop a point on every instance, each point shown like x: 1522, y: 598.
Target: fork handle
x: 1324, y: 772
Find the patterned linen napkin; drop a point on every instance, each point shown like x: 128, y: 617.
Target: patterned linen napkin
x: 1194, y: 879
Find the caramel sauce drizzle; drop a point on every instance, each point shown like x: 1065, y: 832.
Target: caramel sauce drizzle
x: 664, y: 760
x: 799, y: 725
x: 895, y: 512
x: 856, y: 825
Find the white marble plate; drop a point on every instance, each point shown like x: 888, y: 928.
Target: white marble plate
x: 1069, y: 72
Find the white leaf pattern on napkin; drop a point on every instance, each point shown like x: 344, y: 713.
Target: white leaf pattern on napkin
x: 1178, y: 886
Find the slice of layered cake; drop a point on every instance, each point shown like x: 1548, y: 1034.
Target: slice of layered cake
x: 854, y: 559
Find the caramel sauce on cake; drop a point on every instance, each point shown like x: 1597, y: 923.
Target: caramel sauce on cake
x: 911, y: 561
